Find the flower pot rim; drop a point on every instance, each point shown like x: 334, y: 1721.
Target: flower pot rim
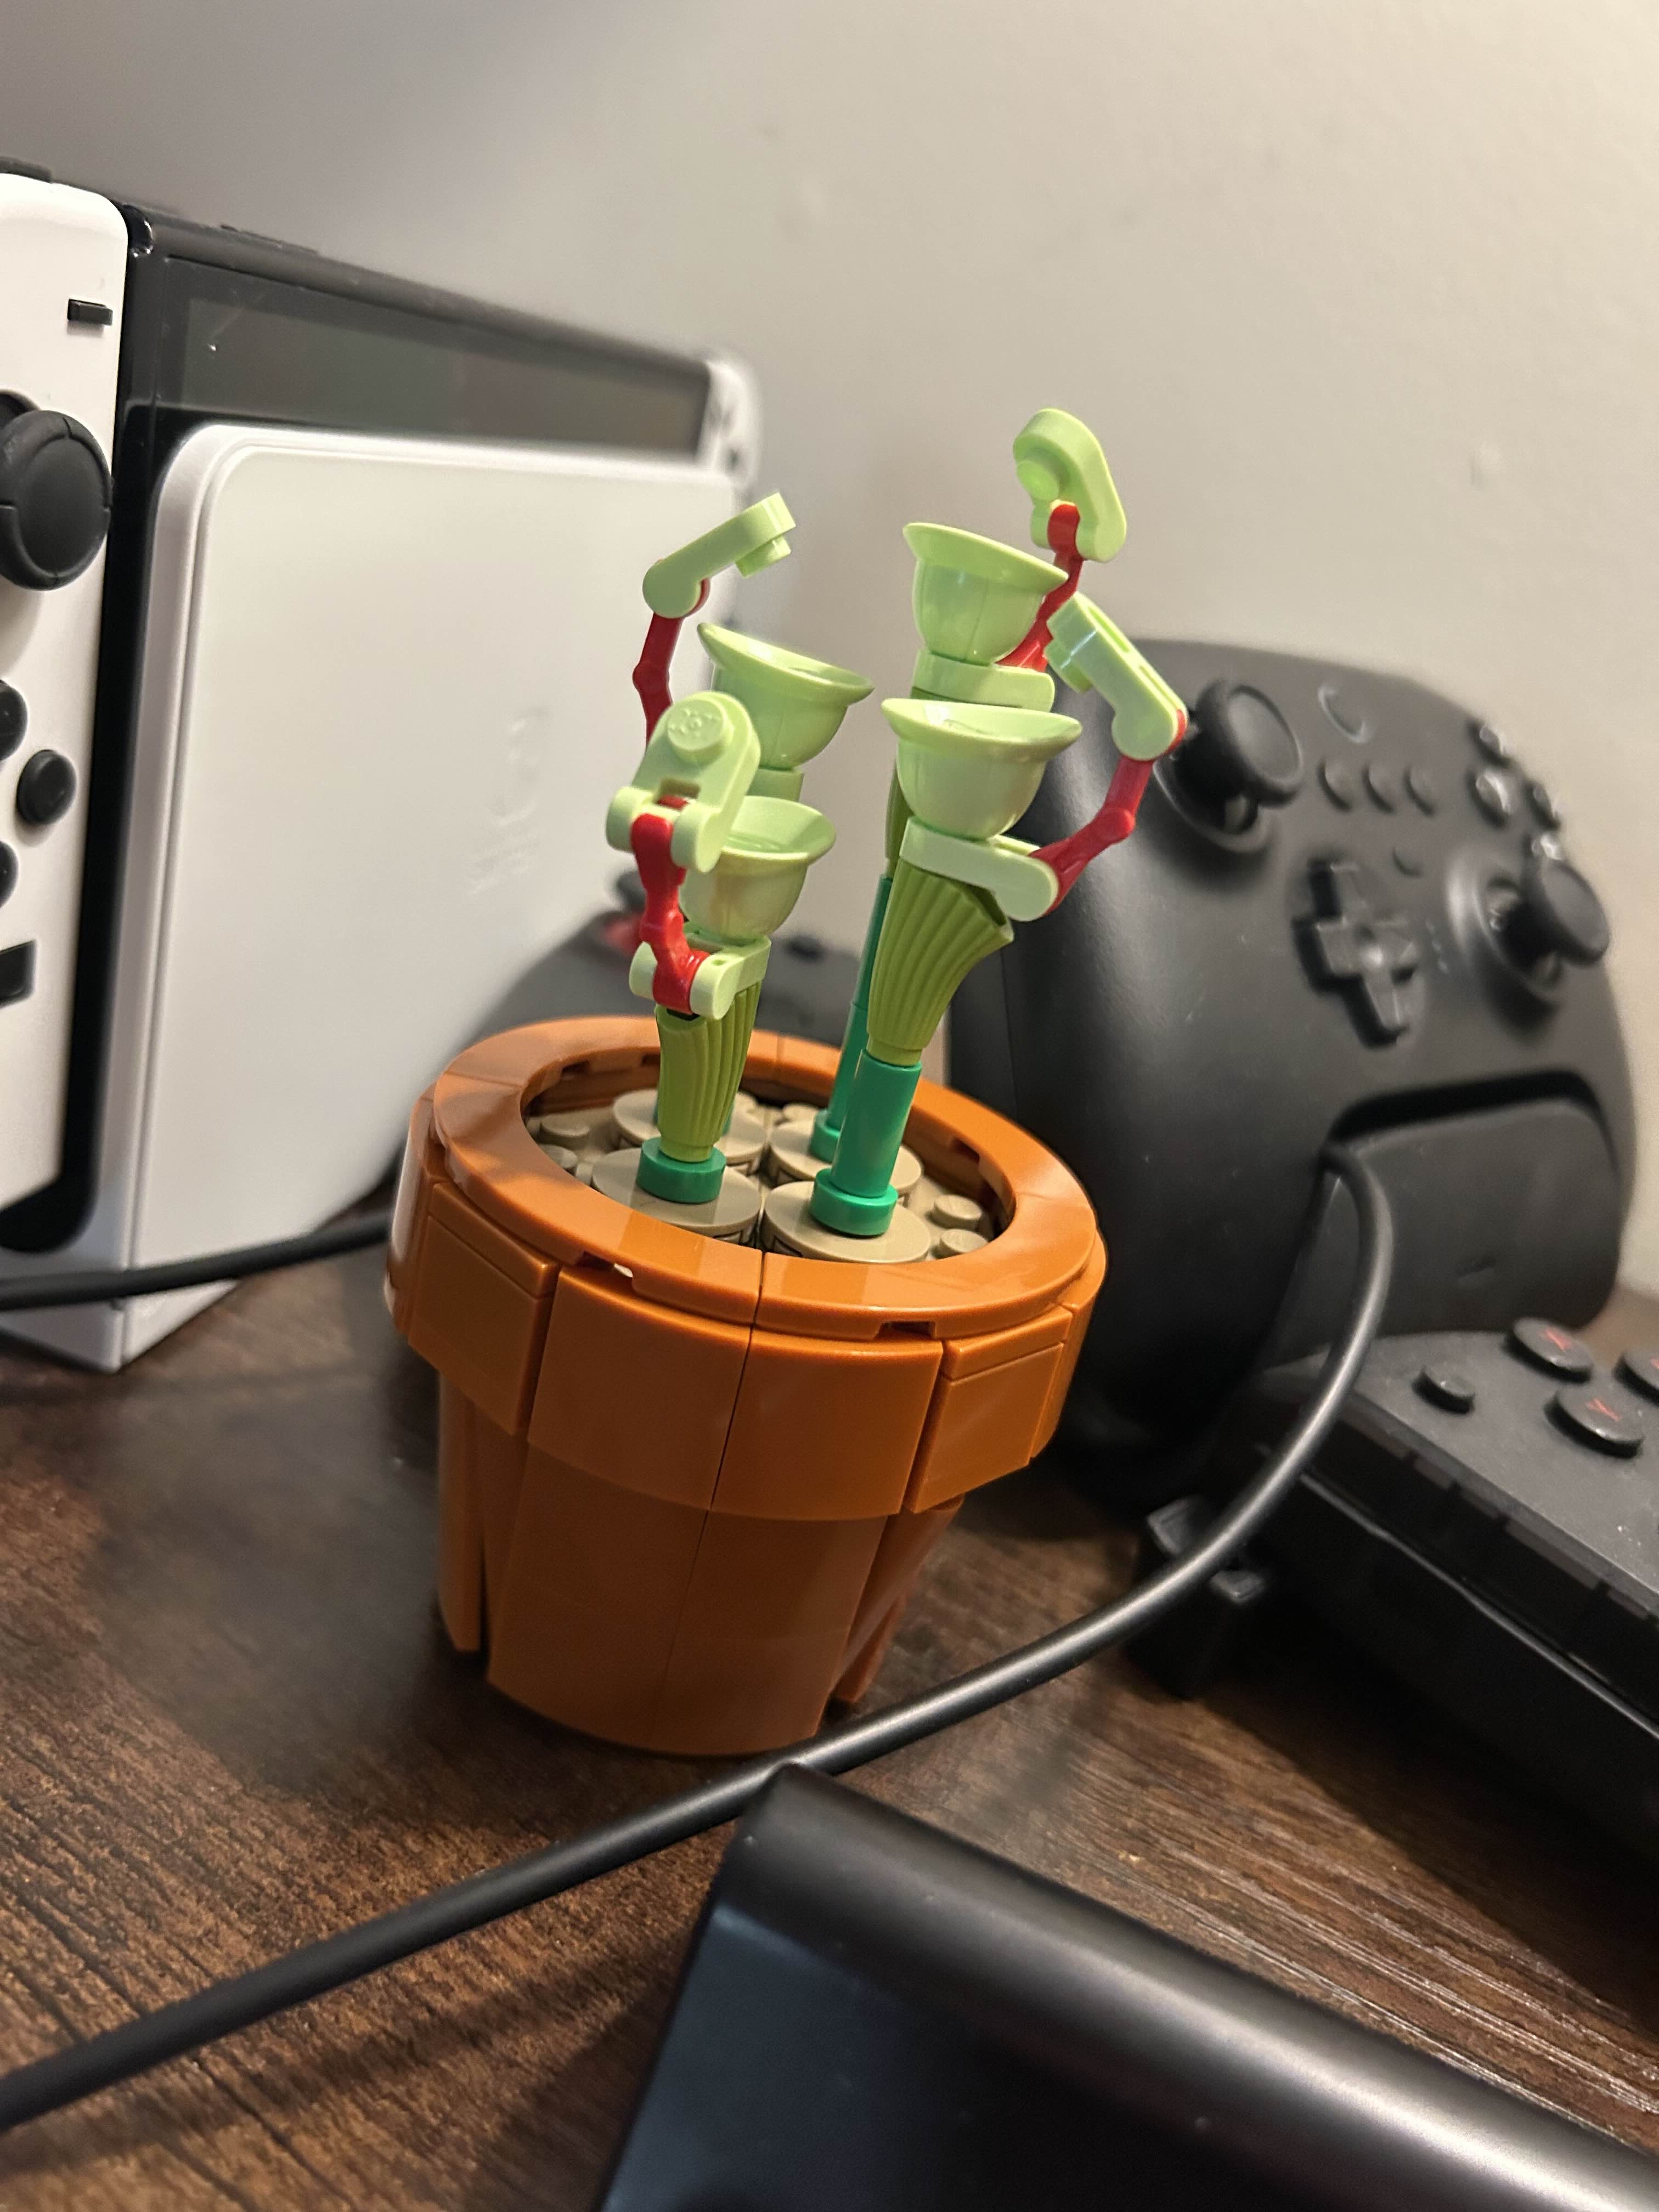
x: 479, y: 1142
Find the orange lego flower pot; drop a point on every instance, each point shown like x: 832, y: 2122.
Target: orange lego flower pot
x: 686, y: 1486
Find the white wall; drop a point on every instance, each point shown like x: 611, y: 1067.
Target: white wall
x: 1359, y: 294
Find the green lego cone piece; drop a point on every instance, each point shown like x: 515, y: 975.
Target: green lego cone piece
x: 752, y: 887
x: 1058, y: 458
x: 796, y: 704
x: 934, y: 933
x: 701, y: 1068
x: 972, y: 770
x: 856, y: 1195
x: 975, y: 599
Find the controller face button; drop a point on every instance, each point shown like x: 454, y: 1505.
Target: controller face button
x: 14, y: 719
x: 16, y: 973
x: 1543, y: 805
x: 1494, y: 795
x: 1367, y: 954
x: 1544, y: 1344
x: 1491, y: 742
x: 8, y: 873
x: 46, y: 789
x: 1594, y: 1420
x: 1449, y: 1387
x: 1641, y: 1370
x: 1341, y: 785
x: 1408, y: 862
x: 1426, y: 795
x: 1384, y: 786
x: 1342, y: 716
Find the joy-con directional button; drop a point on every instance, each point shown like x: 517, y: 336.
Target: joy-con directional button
x: 1494, y: 795
x: 17, y: 972
x: 14, y: 719
x: 8, y: 873
x: 46, y: 789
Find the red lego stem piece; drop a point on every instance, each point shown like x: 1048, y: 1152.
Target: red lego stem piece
x: 662, y: 926
x: 1071, y: 855
x: 1032, y: 651
x: 651, y: 669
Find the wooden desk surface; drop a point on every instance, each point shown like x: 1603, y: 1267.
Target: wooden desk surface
x: 230, y: 1724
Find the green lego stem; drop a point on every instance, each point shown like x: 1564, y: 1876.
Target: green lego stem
x: 826, y: 1124
x: 934, y: 933
x: 683, y: 1183
x: 856, y: 1195
x: 701, y: 1068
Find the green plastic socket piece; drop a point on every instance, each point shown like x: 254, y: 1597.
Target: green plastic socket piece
x: 972, y: 771
x: 704, y: 751
x: 750, y: 542
x: 1058, y: 458
x: 973, y: 684
x: 974, y: 599
x: 1091, y: 653
x: 796, y: 704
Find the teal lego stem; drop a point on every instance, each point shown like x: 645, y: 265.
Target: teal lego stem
x: 828, y: 1122
x: 856, y: 1195
x: 684, y: 1183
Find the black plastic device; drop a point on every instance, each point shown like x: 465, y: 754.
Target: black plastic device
x: 1485, y: 1519
x: 875, y: 2015
x: 1347, y: 913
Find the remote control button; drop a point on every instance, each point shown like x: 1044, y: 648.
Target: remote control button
x: 1641, y: 1370
x: 1408, y: 861
x: 1342, y: 714
x: 16, y: 973
x: 1384, y: 786
x: 1595, y: 1420
x: 1491, y: 742
x: 14, y: 719
x: 1369, y: 955
x: 1545, y: 845
x: 1552, y: 1348
x: 1425, y: 793
x: 46, y: 789
x: 1494, y: 795
x: 8, y: 873
x: 54, y: 496
x: 1543, y: 805
x: 1447, y: 1387
x: 1341, y: 784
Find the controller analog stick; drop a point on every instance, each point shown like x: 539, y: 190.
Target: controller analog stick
x: 54, y: 496
x: 1556, y: 915
x: 1239, y: 755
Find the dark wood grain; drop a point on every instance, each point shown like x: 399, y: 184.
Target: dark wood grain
x: 230, y: 1724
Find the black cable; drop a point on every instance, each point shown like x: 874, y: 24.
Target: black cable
x: 88, y: 1287
x: 121, y: 2052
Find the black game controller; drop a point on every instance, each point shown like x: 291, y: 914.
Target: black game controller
x: 1347, y: 913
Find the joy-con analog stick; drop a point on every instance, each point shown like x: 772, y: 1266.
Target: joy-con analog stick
x: 1555, y: 914
x: 1239, y: 755
x: 54, y: 496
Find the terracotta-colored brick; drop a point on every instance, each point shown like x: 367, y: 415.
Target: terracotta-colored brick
x: 981, y: 1425
x: 732, y: 1694
x: 585, y: 1668
x: 906, y: 1542
x: 755, y: 1577
x: 826, y: 1432
x: 482, y: 1332
x: 460, y: 1526
x: 599, y: 1543
x: 1079, y: 1296
x: 634, y: 1392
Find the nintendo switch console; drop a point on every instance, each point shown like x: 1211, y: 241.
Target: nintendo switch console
x: 294, y: 563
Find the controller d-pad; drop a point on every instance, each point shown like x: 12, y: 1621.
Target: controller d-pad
x: 1356, y: 945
